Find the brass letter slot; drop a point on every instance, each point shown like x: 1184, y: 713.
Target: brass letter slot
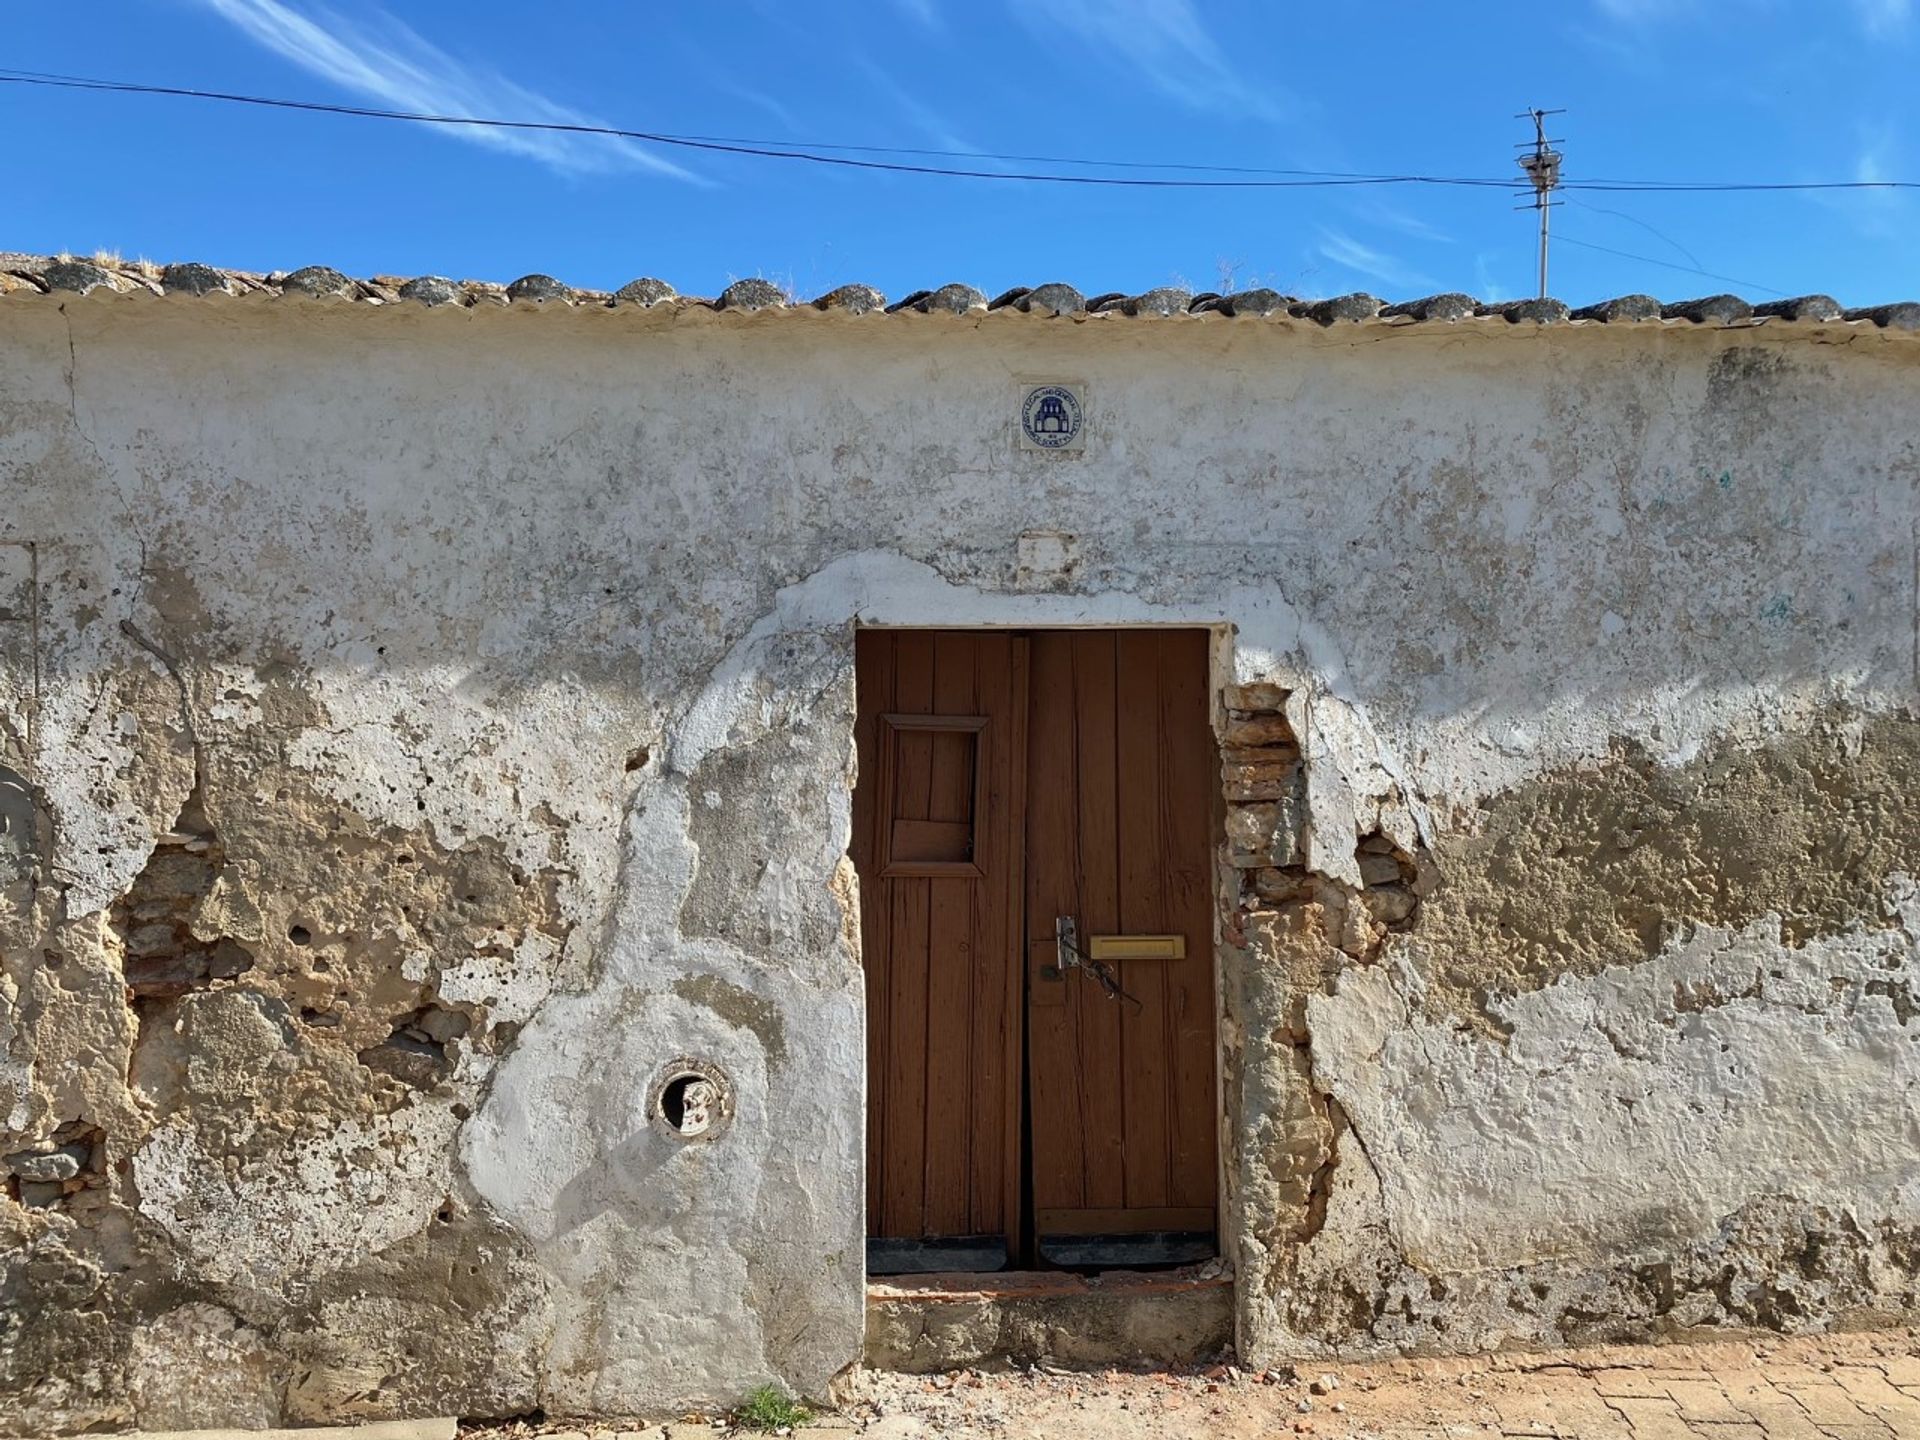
x: 1137, y: 947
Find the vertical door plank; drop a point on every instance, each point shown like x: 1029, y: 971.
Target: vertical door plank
x: 1102, y: 1103
x: 991, y: 956
x: 1058, y: 1155
x: 950, y: 945
x: 1011, y: 889
x: 873, y: 694
x: 904, y: 1210
x: 1193, y: 792
x: 1142, y: 832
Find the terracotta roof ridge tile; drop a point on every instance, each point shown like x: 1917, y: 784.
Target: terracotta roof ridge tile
x: 26, y: 274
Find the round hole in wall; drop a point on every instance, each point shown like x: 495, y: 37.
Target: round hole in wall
x: 691, y: 1100
x: 300, y: 935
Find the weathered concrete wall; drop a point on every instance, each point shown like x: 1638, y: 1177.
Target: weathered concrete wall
x: 424, y: 729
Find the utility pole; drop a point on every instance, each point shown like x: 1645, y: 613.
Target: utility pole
x: 1542, y: 164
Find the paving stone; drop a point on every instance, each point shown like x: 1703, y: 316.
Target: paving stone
x: 1523, y: 1414
x: 1653, y: 1419
x: 1829, y: 1406
x: 1791, y: 1376
x: 1584, y: 1417
x: 1780, y: 1417
x: 1611, y: 1383
x: 1902, y: 1370
x: 1871, y: 1390
x: 1705, y: 1400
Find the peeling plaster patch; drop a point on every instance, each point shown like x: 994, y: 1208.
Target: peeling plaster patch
x: 22, y: 824
x: 112, y: 791
x: 440, y: 749
x: 740, y: 1006
x: 653, y: 1241
x: 1605, y: 864
x: 197, y: 1367
x: 756, y: 881
x: 264, y: 1178
x: 467, y: 1281
x: 1630, y: 1112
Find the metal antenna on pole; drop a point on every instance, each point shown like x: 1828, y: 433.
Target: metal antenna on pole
x: 1542, y: 164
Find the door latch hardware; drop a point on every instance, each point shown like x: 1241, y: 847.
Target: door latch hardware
x: 1066, y: 943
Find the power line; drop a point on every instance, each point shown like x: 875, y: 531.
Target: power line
x: 1668, y: 264
x: 1657, y: 233
x: 80, y: 82
x: 809, y: 152
x: 755, y: 149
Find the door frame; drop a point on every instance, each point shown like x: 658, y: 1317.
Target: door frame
x: 1220, y: 671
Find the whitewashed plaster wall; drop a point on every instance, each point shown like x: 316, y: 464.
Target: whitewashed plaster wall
x: 557, y: 604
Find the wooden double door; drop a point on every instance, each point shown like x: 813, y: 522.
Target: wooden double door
x: 1033, y: 827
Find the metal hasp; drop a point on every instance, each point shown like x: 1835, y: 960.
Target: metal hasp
x: 1069, y: 956
x: 1066, y: 940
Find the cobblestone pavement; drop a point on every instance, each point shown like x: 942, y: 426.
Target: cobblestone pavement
x: 1863, y: 1387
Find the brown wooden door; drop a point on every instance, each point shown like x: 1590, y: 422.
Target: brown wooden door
x: 936, y: 841
x: 1006, y: 781
x: 1122, y: 780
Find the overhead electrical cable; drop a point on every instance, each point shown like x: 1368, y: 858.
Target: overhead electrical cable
x: 755, y: 149
x: 848, y: 156
x: 1670, y: 265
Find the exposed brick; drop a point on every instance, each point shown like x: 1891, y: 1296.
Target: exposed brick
x: 1261, y: 695
x: 1257, y: 730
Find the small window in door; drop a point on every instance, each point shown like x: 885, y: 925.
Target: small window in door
x: 931, y: 784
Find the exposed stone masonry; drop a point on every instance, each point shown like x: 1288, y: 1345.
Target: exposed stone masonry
x: 1264, y: 780
x: 1284, y: 909
x: 163, y: 956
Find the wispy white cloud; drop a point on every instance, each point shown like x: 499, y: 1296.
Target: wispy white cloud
x: 1878, y: 18
x: 1348, y: 253
x: 1485, y: 286
x: 1877, y: 216
x: 384, y: 60
x: 1381, y: 212
x: 929, y: 122
x: 1164, y: 40
x: 923, y: 11
x: 760, y: 100
x: 1884, y: 17
x: 1638, y: 10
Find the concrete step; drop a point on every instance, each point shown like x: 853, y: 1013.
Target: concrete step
x: 924, y: 1324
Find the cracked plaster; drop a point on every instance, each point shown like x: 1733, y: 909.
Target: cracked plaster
x: 577, y: 607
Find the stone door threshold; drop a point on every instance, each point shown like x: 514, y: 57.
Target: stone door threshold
x: 969, y: 1286
x: 928, y: 1323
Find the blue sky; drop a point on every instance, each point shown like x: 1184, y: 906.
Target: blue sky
x: 1654, y: 89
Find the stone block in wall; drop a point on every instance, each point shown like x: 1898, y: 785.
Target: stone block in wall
x: 1266, y: 834
x: 1273, y: 776
x: 1390, y: 904
x: 1281, y: 887
x: 1379, y: 869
